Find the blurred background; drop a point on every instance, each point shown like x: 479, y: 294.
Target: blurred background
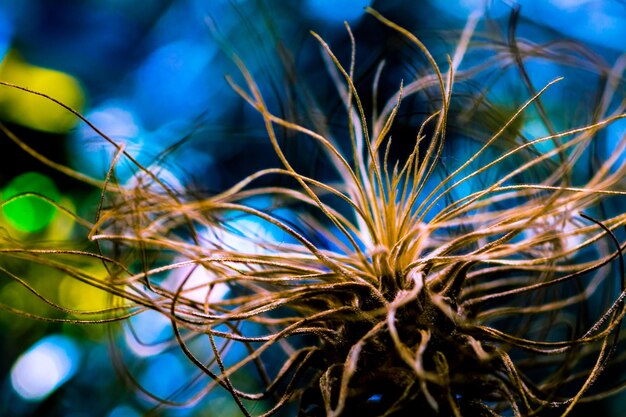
x: 151, y: 75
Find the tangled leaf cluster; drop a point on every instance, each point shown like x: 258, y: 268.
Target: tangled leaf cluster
x: 416, y: 299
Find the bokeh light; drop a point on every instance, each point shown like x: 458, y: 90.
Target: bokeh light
x: 614, y: 136
x: 45, y: 367
x: 31, y: 110
x: 153, y: 380
x: 6, y: 33
x: 148, y: 333
x: 78, y: 295
x: 92, y: 154
x: 124, y: 411
x: 463, y: 8
x: 165, y: 85
x: 197, y: 284
x: 597, y: 21
x: 348, y: 10
x: 30, y: 213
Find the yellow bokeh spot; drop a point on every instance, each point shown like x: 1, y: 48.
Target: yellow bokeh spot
x: 62, y: 225
x: 77, y: 295
x: 33, y: 111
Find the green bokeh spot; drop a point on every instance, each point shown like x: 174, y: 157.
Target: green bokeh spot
x: 30, y: 213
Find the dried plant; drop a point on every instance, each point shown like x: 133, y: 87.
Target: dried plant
x: 417, y: 298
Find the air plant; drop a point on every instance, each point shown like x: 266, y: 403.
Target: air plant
x: 409, y: 298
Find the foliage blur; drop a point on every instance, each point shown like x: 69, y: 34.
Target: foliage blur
x: 151, y: 75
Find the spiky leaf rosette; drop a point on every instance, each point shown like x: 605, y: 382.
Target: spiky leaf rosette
x: 416, y: 300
